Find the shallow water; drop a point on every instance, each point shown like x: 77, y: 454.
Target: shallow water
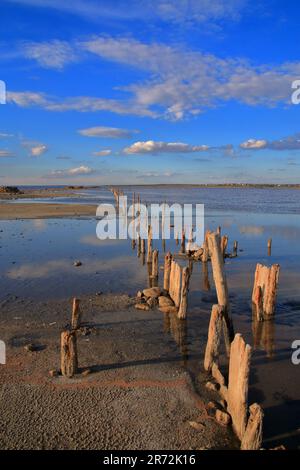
x: 37, y: 261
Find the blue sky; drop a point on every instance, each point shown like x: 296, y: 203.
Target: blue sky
x: 165, y: 91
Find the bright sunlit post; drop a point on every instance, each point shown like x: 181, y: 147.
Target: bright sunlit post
x: 2, y: 353
x: 132, y: 222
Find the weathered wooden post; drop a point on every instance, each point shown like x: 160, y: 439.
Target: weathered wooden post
x: 239, y: 367
x: 167, y: 271
x: 253, y: 436
x: 149, y: 245
x: 218, y: 231
x: 205, y: 254
x: 264, y: 290
x: 69, y: 360
x: 206, y: 284
x: 269, y: 246
x: 214, y: 337
x: 184, y: 293
x: 155, y: 264
x: 143, y: 246
x: 235, y: 249
x: 224, y: 243
x: 221, y: 285
x: 76, y: 315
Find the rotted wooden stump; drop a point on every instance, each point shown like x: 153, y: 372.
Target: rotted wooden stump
x: 76, y: 314
x: 69, y: 359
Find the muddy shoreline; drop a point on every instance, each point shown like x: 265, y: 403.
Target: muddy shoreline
x: 136, y: 396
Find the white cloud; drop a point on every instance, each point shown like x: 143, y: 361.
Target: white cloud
x: 287, y: 143
x: 5, y: 135
x: 163, y: 147
x: 38, y: 150
x: 102, y: 153
x: 254, y: 144
x: 109, y: 132
x: 54, y: 54
x: 79, y: 171
x: 174, y: 11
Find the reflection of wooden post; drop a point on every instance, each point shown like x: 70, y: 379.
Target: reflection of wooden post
x: 182, y: 246
x: 76, y: 316
x: 264, y: 290
x: 269, y: 246
x: 155, y: 264
x: 139, y: 244
x: 214, y: 337
x: 206, y: 284
x: 235, y: 248
x: 149, y: 247
x: 205, y: 248
x: 218, y: 231
x: 167, y: 271
x: 143, y: 246
x: 239, y: 366
x: 69, y: 361
x: 252, y: 438
x: 184, y: 293
x: 221, y: 285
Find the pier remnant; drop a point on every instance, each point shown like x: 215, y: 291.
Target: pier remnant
x: 155, y: 264
x: 69, y: 359
x: 264, y: 290
x: 214, y: 337
x: 76, y: 314
x: 149, y: 245
x: 167, y: 271
x: 184, y: 292
x: 252, y: 438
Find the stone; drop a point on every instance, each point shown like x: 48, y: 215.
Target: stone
x: 212, y: 386
x: 152, y: 302
x: 223, y: 417
x: 165, y: 301
x: 86, y: 372
x: 142, y: 307
x: 77, y: 263
x: 152, y: 292
x: 53, y: 373
x: 197, y: 426
x: 30, y: 348
x: 139, y: 295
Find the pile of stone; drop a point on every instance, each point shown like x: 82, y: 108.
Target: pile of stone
x: 155, y: 297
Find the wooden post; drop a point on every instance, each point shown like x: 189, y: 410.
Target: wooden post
x: 218, y: 230
x: 167, y: 271
x: 224, y: 243
x: 69, y: 360
x: 205, y: 248
x: 184, y: 292
x: 155, y: 264
x: 214, y: 337
x: 143, y: 246
x: 221, y: 285
x: 182, y: 246
x: 206, y: 284
x: 76, y: 315
x: 264, y: 290
x: 149, y: 247
x: 235, y: 249
x: 269, y: 246
x: 239, y: 367
x: 252, y: 438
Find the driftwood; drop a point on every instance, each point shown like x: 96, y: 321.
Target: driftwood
x: 264, y: 291
x: 76, y: 315
x: 239, y: 366
x: 69, y: 360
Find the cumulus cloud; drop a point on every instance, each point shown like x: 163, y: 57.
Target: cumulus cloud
x: 102, y: 153
x: 79, y: 171
x: 287, y: 143
x: 38, y: 150
x: 108, y: 132
x: 163, y: 147
x: 254, y: 144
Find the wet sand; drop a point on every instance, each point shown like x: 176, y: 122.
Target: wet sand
x: 10, y: 211
x: 137, y: 395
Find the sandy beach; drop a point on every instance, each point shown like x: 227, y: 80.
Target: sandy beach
x: 9, y: 211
